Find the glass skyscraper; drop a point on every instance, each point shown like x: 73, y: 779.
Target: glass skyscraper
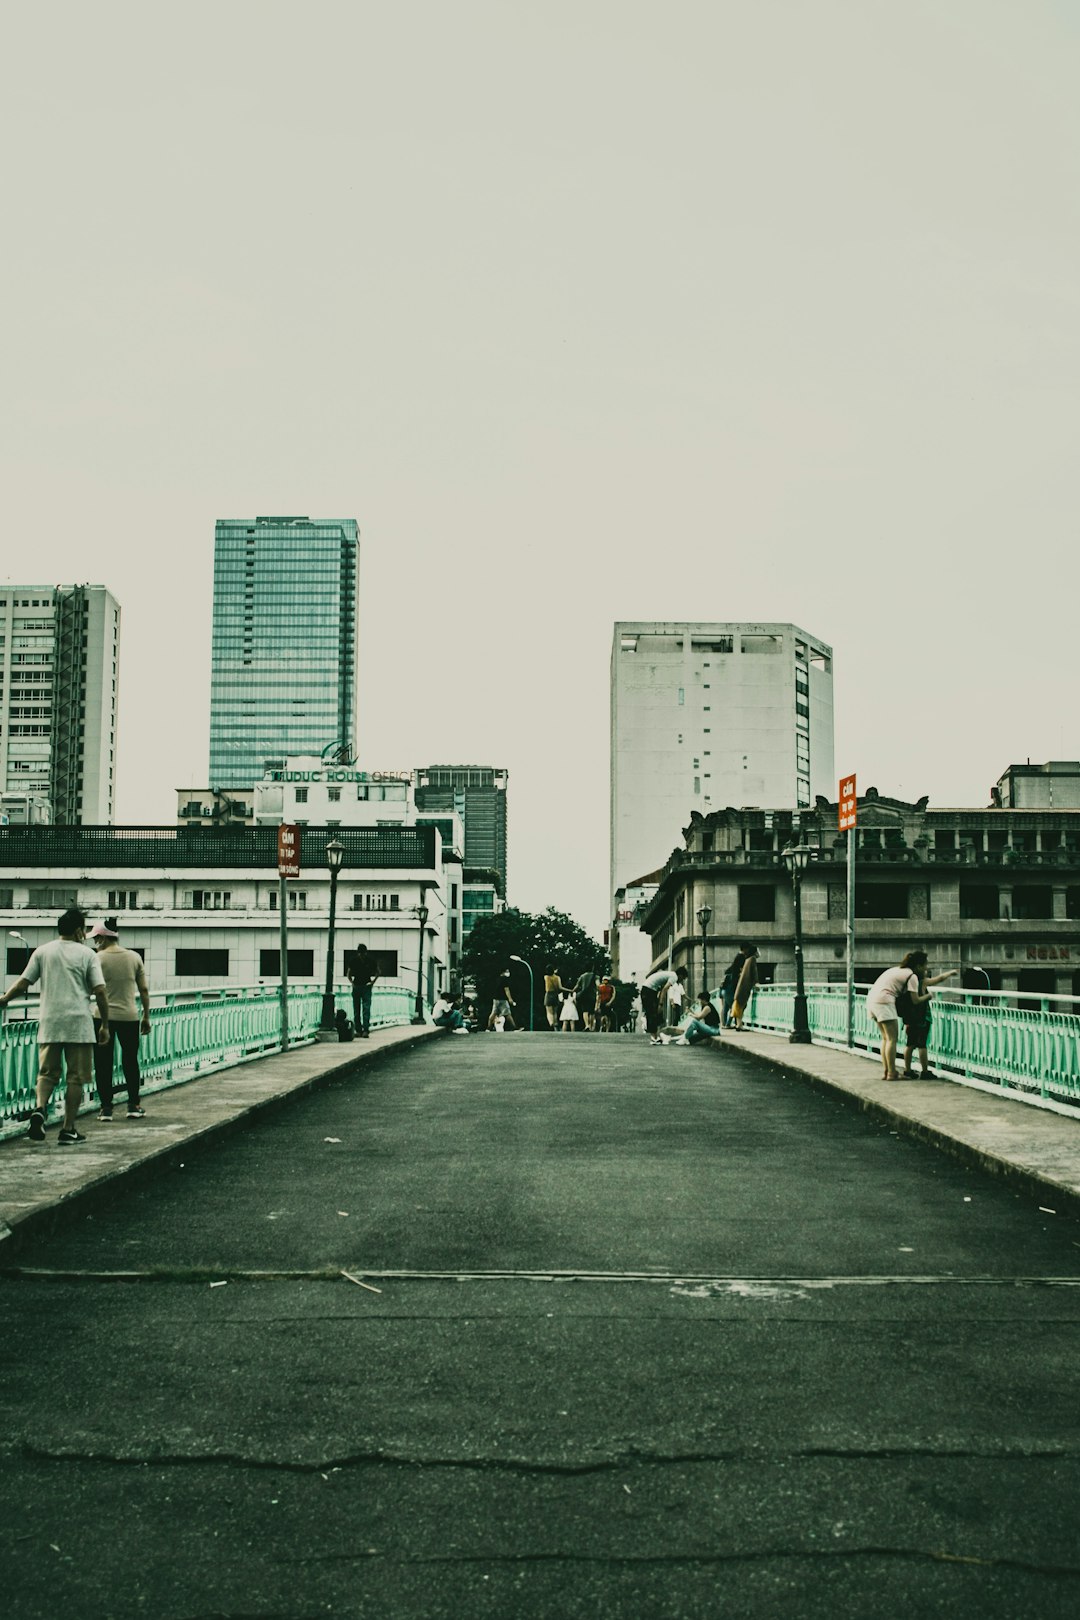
x: 283, y: 663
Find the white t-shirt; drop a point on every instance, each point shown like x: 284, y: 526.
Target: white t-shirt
x: 888, y: 985
x: 657, y: 981
x: 69, y: 974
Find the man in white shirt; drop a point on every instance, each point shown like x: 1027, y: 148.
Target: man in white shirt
x: 69, y: 975
x: 654, y: 996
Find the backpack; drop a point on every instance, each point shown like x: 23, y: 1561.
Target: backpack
x: 907, y: 1008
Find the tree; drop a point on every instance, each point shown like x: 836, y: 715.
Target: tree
x: 551, y: 937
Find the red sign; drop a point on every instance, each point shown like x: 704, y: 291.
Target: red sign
x: 848, y: 803
x: 288, y: 851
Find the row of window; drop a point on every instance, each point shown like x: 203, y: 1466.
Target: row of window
x: 979, y: 902
x: 51, y: 895
x: 214, y: 964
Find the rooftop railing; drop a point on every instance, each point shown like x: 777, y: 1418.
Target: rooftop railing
x: 192, y: 1033
x: 1027, y: 1045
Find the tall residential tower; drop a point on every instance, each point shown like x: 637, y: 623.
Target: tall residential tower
x: 709, y: 715
x: 283, y: 664
x: 59, y: 671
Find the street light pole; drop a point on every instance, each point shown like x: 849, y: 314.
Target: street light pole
x: 703, y: 916
x: 529, y: 970
x: 796, y: 857
x: 335, y: 854
x: 418, y: 1015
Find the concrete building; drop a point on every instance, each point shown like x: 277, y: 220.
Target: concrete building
x: 59, y: 677
x: 283, y: 663
x: 1053, y: 786
x: 478, y: 794
x: 202, y: 906
x: 629, y: 944
x: 993, y: 892
x: 705, y: 715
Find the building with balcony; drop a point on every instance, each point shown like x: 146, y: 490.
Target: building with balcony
x: 59, y: 677
x: 202, y: 906
x: 704, y: 715
x: 283, y: 660
x: 993, y: 892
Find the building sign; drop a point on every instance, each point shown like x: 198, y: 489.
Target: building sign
x: 848, y: 803
x: 288, y: 851
x: 338, y: 773
x: 1048, y: 953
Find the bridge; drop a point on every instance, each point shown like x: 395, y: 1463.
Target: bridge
x: 543, y: 1324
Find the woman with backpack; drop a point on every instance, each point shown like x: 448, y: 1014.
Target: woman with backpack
x: 898, y: 993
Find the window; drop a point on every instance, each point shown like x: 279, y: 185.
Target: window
x: 17, y: 958
x: 881, y: 899
x: 1072, y: 904
x: 334, y: 795
x: 207, y: 899
x: 48, y: 895
x: 757, y: 902
x: 762, y: 644
x: 191, y: 964
x: 123, y: 899
x: 7, y: 899
x: 297, y: 899
x: 301, y: 964
x: 979, y: 901
x: 301, y: 795
x: 1032, y: 902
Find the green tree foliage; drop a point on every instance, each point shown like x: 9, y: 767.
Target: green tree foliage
x: 550, y: 937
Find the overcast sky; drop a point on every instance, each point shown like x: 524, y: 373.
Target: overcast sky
x: 585, y: 311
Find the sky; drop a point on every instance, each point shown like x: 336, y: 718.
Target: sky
x: 585, y: 311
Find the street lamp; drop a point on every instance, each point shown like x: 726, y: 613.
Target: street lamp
x: 703, y: 916
x: 796, y: 859
x: 335, y: 854
x: 418, y: 1015
x: 525, y: 965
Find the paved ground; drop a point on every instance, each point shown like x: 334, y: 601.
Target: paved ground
x: 659, y: 1333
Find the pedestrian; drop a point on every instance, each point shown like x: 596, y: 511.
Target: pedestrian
x: 744, y: 987
x: 552, y: 995
x: 69, y: 974
x: 605, y: 1005
x: 585, y: 997
x: 124, y: 974
x: 916, y: 1015
x: 361, y: 970
x: 703, y: 1026
x: 568, y: 1017
x: 895, y: 994
x: 727, y: 986
x: 654, y: 994
x: 675, y: 1001
x: 447, y: 1014
x: 502, y: 1006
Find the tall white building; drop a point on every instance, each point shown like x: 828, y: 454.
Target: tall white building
x: 59, y: 673
x: 709, y: 715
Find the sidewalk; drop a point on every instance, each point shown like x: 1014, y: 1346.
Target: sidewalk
x: 39, y: 1182
x: 1036, y: 1148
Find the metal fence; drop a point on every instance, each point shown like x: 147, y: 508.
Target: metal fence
x: 192, y: 1033
x: 1031, y: 1051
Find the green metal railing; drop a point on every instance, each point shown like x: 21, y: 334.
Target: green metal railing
x: 1032, y: 1052
x: 192, y: 1033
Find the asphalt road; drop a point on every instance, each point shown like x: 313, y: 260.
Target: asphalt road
x: 659, y: 1333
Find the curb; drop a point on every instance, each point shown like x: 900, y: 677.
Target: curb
x: 45, y: 1218
x: 1066, y: 1198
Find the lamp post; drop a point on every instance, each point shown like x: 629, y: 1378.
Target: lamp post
x: 796, y: 859
x: 529, y: 970
x: 703, y: 916
x: 418, y: 1015
x: 335, y: 854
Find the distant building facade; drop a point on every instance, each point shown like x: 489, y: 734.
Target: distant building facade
x: 283, y: 660
x: 202, y: 906
x: 993, y: 892
x: 59, y: 681
x: 1053, y: 786
x: 478, y: 794
x: 705, y: 715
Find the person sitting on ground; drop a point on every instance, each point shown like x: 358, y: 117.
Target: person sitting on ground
x: 342, y: 1025
x: 447, y: 1014
x: 703, y: 1026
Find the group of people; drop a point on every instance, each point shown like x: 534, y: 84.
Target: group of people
x: 590, y: 1001
x: 71, y: 976
x: 903, y: 995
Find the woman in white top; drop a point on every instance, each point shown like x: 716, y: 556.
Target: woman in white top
x: 881, y: 1002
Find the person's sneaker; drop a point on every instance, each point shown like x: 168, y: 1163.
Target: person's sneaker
x: 136, y: 1113
x: 36, y: 1132
x: 69, y: 1138
x: 104, y: 1118
x: 654, y: 1040
x: 459, y: 1032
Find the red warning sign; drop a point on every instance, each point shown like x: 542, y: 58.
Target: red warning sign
x: 848, y: 803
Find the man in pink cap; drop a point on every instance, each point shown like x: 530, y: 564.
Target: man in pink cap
x: 124, y: 974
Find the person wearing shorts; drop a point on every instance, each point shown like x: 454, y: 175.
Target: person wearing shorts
x: 552, y: 995
x: 69, y: 975
x: 881, y: 1003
